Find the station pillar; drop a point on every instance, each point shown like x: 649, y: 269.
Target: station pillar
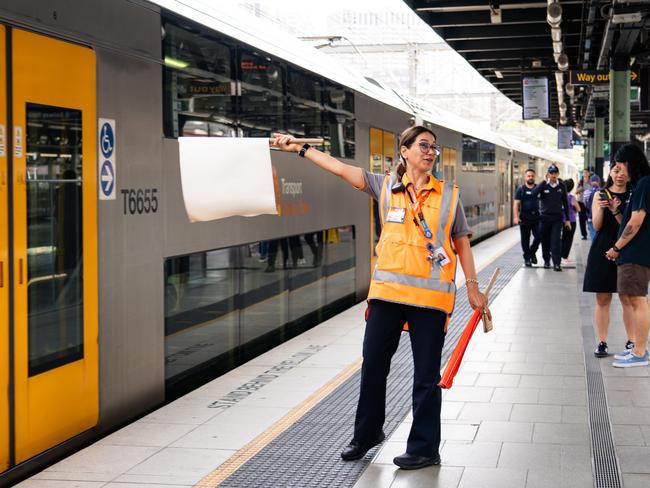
x: 599, y: 140
x: 590, y: 153
x: 619, y: 102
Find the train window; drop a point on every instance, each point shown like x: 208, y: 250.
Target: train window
x: 223, y: 307
x: 262, y: 102
x: 199, y: 85
x: 304, y: 106
x: 54, y: 237
x: 478, y: 155
x: 338, y: 126
x: 214, y: 86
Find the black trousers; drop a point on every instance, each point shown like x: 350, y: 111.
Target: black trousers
x: 383, y: 331
x: 525, y: 228
x: 567, y: 239
x: 551, y: 233
x: 582, y: 216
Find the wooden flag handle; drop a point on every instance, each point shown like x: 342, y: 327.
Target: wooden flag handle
x: 492, y: 281
x: 316, y: 141
x: 487, y: 322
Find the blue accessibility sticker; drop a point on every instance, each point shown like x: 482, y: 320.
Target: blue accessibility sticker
x: 107, y: 140
x: 107, y: 178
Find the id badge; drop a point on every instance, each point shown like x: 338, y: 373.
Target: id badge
x: 441, y: 257
x: 396, y: 214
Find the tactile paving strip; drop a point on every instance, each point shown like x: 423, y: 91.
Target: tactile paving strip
x: 605, y: 465
x: 307, y: 454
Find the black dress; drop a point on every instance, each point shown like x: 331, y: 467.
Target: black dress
x: 600, y: 274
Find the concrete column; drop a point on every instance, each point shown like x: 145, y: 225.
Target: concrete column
x: 590, y: 153
x: 619, y: 102
x: 599, y: 139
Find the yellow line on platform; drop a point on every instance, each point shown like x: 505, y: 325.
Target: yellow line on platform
x: 232, y: 464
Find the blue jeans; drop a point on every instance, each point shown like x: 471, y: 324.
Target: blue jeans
x: 592, y: 231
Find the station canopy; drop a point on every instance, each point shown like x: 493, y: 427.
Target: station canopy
x: 509, y: 40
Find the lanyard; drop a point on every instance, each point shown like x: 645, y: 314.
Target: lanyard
x: 416, y: 209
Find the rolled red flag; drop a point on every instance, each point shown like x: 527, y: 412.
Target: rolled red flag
x: 459, y: 351
x: 457, y: 356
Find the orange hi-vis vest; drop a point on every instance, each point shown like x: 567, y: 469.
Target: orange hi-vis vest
x: 403, y: 274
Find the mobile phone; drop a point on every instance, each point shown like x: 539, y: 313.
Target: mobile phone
x: 605, y: 195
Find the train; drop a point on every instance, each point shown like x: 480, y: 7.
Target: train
x: 111, y: 302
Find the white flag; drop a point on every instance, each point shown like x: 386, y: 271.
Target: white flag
x: 226, y: 176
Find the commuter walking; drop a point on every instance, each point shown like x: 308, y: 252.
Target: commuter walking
x: 594, y: 186
x: 582, y: 185
x: 600, y: 273
x: 526, y: 215
x: 631, y: 253
x: 553, y: 212
x: 567, y: 234
x: 412, y: 282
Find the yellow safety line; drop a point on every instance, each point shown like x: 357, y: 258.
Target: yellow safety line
x: 233, y: 463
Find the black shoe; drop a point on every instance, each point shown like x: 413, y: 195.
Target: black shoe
x: 355, y: 450
x: 557, y: 267
x: 601, y: 351
x: 533, y: 259
x: 547, y: 265
x: 584, y: 238
x: 410, y: 461
x: 528, y: 263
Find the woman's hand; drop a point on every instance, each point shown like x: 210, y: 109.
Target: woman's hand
x: 283, y: 142
x: 612, y: 255
x: 603, y: 202
x: 613, y: 204
x: 477, y: 300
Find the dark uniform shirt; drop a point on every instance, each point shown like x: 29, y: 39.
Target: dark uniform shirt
x: 529, y: 210
x: 637, y: 250
x: 553, y: 201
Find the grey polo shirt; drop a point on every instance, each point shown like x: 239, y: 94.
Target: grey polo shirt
x: 374, y: 181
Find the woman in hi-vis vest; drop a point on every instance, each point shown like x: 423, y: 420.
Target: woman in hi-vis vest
x: 424, y: 229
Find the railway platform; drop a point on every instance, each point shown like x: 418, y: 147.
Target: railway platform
x: 530, y: 407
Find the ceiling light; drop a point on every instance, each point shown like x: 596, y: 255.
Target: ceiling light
x: 570, y: 89
x: 537, y: 63
x: 175, y: 63
x: 554, y: 14
x: 563, y: 62
x: 498, y: 73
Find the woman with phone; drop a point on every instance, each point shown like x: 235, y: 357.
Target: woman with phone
x: 600, y: 274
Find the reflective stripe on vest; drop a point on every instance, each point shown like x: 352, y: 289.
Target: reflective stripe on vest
x: 438, y: 289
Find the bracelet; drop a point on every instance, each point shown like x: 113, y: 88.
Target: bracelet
x: 471, y: 280
x: 303, y: 150
x: 615, y: 249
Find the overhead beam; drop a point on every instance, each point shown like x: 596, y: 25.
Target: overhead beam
x: 522, y: 44
x: 501, y: 31
x: 508, y: 16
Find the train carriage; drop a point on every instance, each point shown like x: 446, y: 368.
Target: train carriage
x: 111, y: 301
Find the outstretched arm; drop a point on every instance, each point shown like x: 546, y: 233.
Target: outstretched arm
x: 352, y: 174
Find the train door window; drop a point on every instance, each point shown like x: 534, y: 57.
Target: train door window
x: 54, y: 236
x: 262, y: 102
x: 304, y: 106
x: 338, y: 121
x: 449, y: 156
x: 199, y: 84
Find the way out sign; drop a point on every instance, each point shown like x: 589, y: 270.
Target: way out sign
x: 106, y: 159
x: 596, y: 77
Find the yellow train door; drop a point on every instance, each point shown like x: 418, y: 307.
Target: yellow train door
x: 54, y: 241
x: 4, y: 263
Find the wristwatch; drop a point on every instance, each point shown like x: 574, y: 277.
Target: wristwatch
x: 303, y: 150
x: 615, y: 249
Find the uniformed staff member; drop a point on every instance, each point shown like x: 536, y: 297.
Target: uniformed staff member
x: 424, y: 230
x: 526, y: 215
x: 553, y: 210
